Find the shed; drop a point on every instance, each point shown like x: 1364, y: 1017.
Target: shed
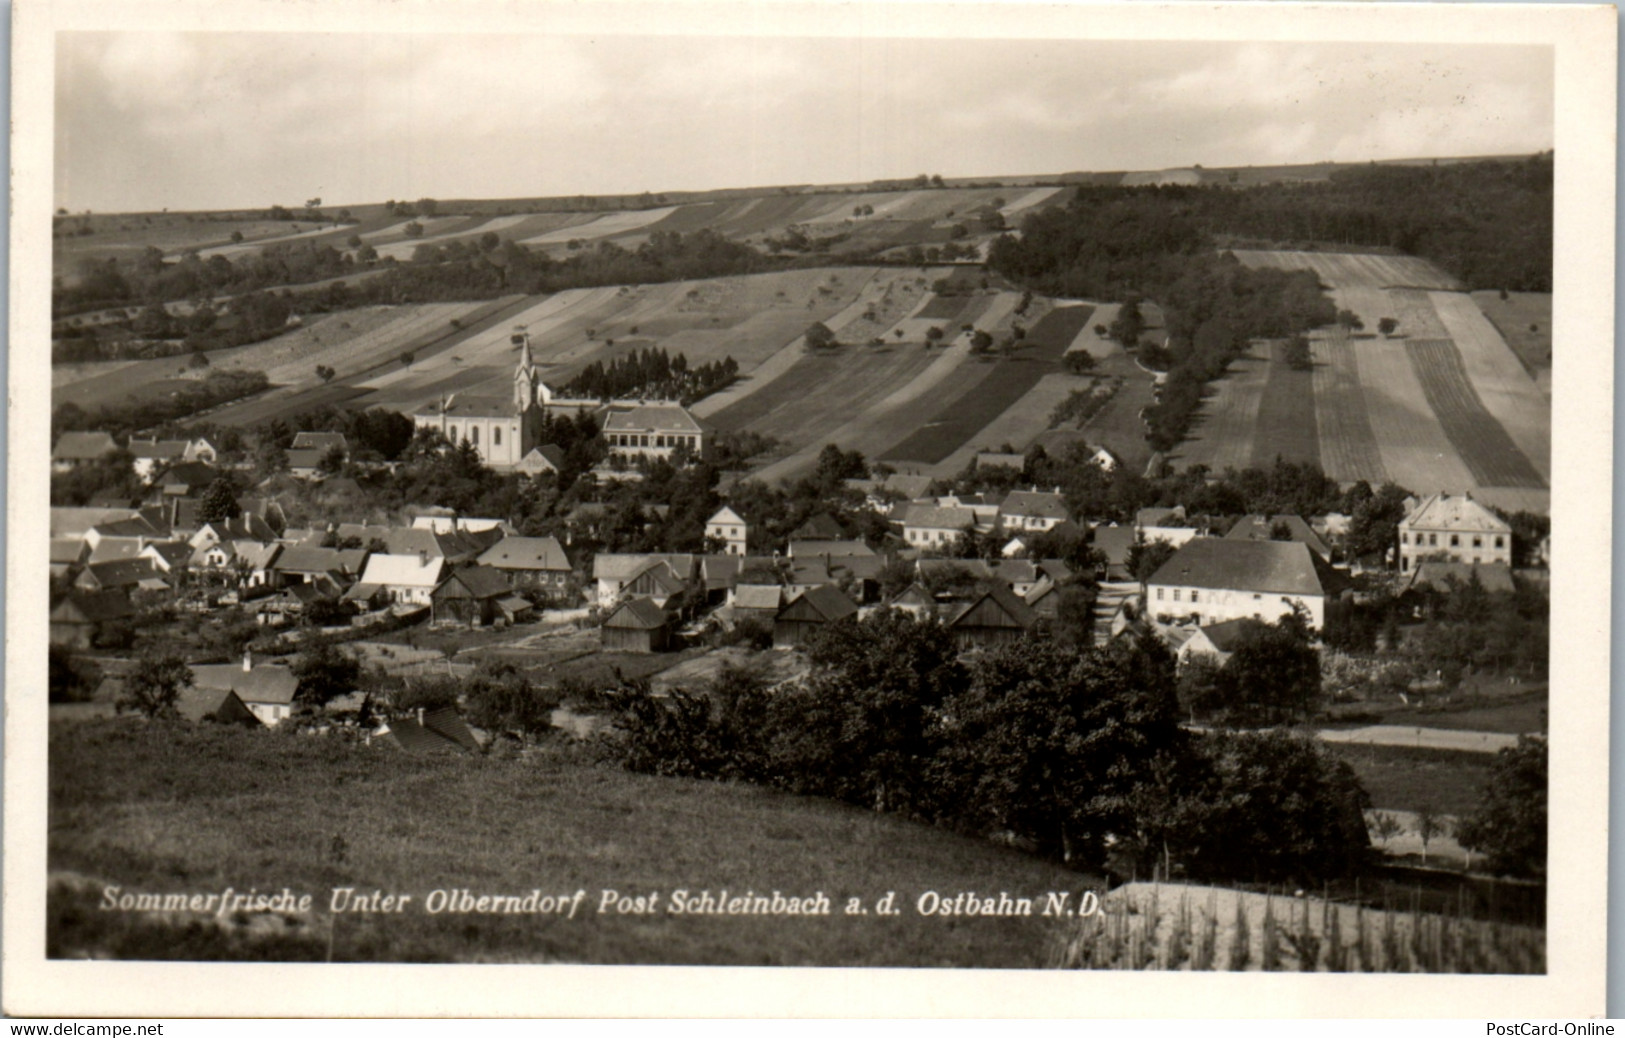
x: 637, y: 625
x: 470, y: 595
x: 215, y: 704
x: 994, y: 617
x: 808, y: 613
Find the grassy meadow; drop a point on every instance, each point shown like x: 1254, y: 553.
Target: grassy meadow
x: 166, y: 807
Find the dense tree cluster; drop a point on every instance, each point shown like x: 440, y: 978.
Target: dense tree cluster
x: 655, y: 374
x: 214, y: 389
x: 1078, y: 755
x: 1510, y: 823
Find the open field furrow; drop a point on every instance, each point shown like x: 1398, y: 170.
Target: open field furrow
x: 1483, y: 444
x: 606, y: 225
x: 1009, y: 380
x: 1286, y: 417
x: 1415, y: 451
x: 1348, y: 269
x: 498, y: 225
x: 840, y: 387
x: 1226, y: 425
x: 1503, y: 383
x: 1020, y: 424
x: 1348, y: 448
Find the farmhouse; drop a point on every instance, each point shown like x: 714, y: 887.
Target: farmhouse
x: 636, y: 625
x: 1215, y: 641
x: 1215, y: 579
x: 502, y: 431
x: 727, y: 527
x: 807, y: 613
x: 400, y: 578
x: 472, y: 595
x: 80, y: 448
x: 321, y: 441
x: 266, y: 690
x: 549, y: 457
x: 656, y: 431
x: 148, y: 456
x: 303, y: 563
x: 1456, y: 528
x: 616, y: 573
x: 932, y: 526
x: 1032, y: 510
x: 529, y: 562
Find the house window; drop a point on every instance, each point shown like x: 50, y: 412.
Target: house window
x: 1193, y: 595
x: 496, y: 436
x: 1455, y: 540
x: 1478, y: 542
x: 1404, y: 538
x: 1159, y: 594
x: 453, y: 434
x: 1498, y: 543
x: 1433, y: 540
x: 474, y: 434
x: 1176, y: 594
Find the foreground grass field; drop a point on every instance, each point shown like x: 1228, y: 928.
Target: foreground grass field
x: 1408, y: 778
x: 172, y: 808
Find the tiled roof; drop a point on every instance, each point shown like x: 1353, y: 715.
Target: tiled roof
x: 68, y: 550
x: 527, y: 553
x: 322, y: 441
x: 1274, y: 567
x: 1454, y: 512
x: 92, y: 606
x: 834, y: 549
x: 1114, y: 542
x: 758, y: 596
x: 158, y: 450
x: 825, y: 602
x: 1224, y: 636
x: 726, y: 515
x: 994, y: 602
x: 1261, y: 528
x: 933, y: 517
x: 119, y: 572
x: 1037, y: 504
x: 402, y: 570
x: 266, y: 683
x: 474, y: 582
x: 305, y: 459
x: 637, y: 614
x: 654, y: 418
x: 1492, y: 576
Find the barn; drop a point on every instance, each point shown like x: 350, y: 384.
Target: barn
x: 636, y: 625
x: 808, y: 613
x: 994, y: 617
x: 470, y: 595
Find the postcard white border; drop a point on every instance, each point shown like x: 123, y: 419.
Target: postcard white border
x: 1584, y: 38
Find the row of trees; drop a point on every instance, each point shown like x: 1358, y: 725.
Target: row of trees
x: 1078, y: 755
x: 653, y: 373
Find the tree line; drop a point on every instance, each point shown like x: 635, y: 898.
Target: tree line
x: 653, y: 373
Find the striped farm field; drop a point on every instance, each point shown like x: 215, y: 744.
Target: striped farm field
x: 1009, y: 380
x: 1348, y: 447
x: 1022, y: 423
x: 1021, y: 204
x: 470, y: 228
x: 1503, y: 383
x: 1337, y: 269
x: 1480, y: 440
x: 1225, y: 427
x: 1286, y: 426
x: 603, y: 227
x: 1415, y: 451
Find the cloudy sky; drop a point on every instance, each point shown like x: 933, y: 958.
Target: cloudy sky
x: 201, y: 121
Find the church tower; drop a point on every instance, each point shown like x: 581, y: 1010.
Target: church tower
x: 525, y: 378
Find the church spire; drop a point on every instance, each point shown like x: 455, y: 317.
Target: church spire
x: 524, y: 377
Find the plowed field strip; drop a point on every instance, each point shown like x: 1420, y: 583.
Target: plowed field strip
x: 1038, y: 196
x: 1414, y: 311
x: 1416, y: 453
x: 1352, y: 269
x: 1348, y: 448
x: 838, y: 388
x: 1480, y: 440
x: 1020, y: 424
x: 944, y: 308
x: 1503, y: 383
x: 1008, y: 382
x: 1226, y: 426
x: 1286, y: 417
x: 606, y: 225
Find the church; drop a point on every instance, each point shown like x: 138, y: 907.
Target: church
x: 504, y: 431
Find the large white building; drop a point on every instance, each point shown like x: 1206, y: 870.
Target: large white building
x: 656, y: 431
x: 1453, y: 527
x: 504, y: 431
x: 1215, y: 579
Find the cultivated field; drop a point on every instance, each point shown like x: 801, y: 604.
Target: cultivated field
x: 1441, y: 404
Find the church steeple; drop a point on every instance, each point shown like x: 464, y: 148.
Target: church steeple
x: 524, y: 377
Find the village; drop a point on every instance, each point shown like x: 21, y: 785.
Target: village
x: 434, y: 592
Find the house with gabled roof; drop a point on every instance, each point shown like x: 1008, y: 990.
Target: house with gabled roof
x: 320, y: 441
x: 430, y: 731
x: 1455, y: 528
x: 80, y: 448
x: 267, y: 690
x: 916, y: 601
x: 168, y: 556
x: 1168, y: 525
x: 67, y: 555
x: 993, y: 617
x: 616, y: 573
x: 758, y: 601
x: 151, y: 455
x: 529, y: 562
x: 1215, y: 579
x: 219, y: 705
x: 810, y: 612
x: 469, y: 595
x: 933, y: 526
x: 121, y: 575
x: 1215, y: 641
x: 301, y: 563
x: 1438, y: 575
x: 728, y: 527
x: 1032, y: 510
x: 187, y: 478
x: 1115, y: 543
x: 549, y: 457
x: 636, y: 625
x: 409, y: 579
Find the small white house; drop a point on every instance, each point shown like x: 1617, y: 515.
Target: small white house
x: 727, y: 527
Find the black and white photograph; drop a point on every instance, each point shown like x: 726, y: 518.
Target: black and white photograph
x: 930, y: 500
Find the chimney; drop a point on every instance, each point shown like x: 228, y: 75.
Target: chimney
x: 248, y: 661
x: 423, y: 556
